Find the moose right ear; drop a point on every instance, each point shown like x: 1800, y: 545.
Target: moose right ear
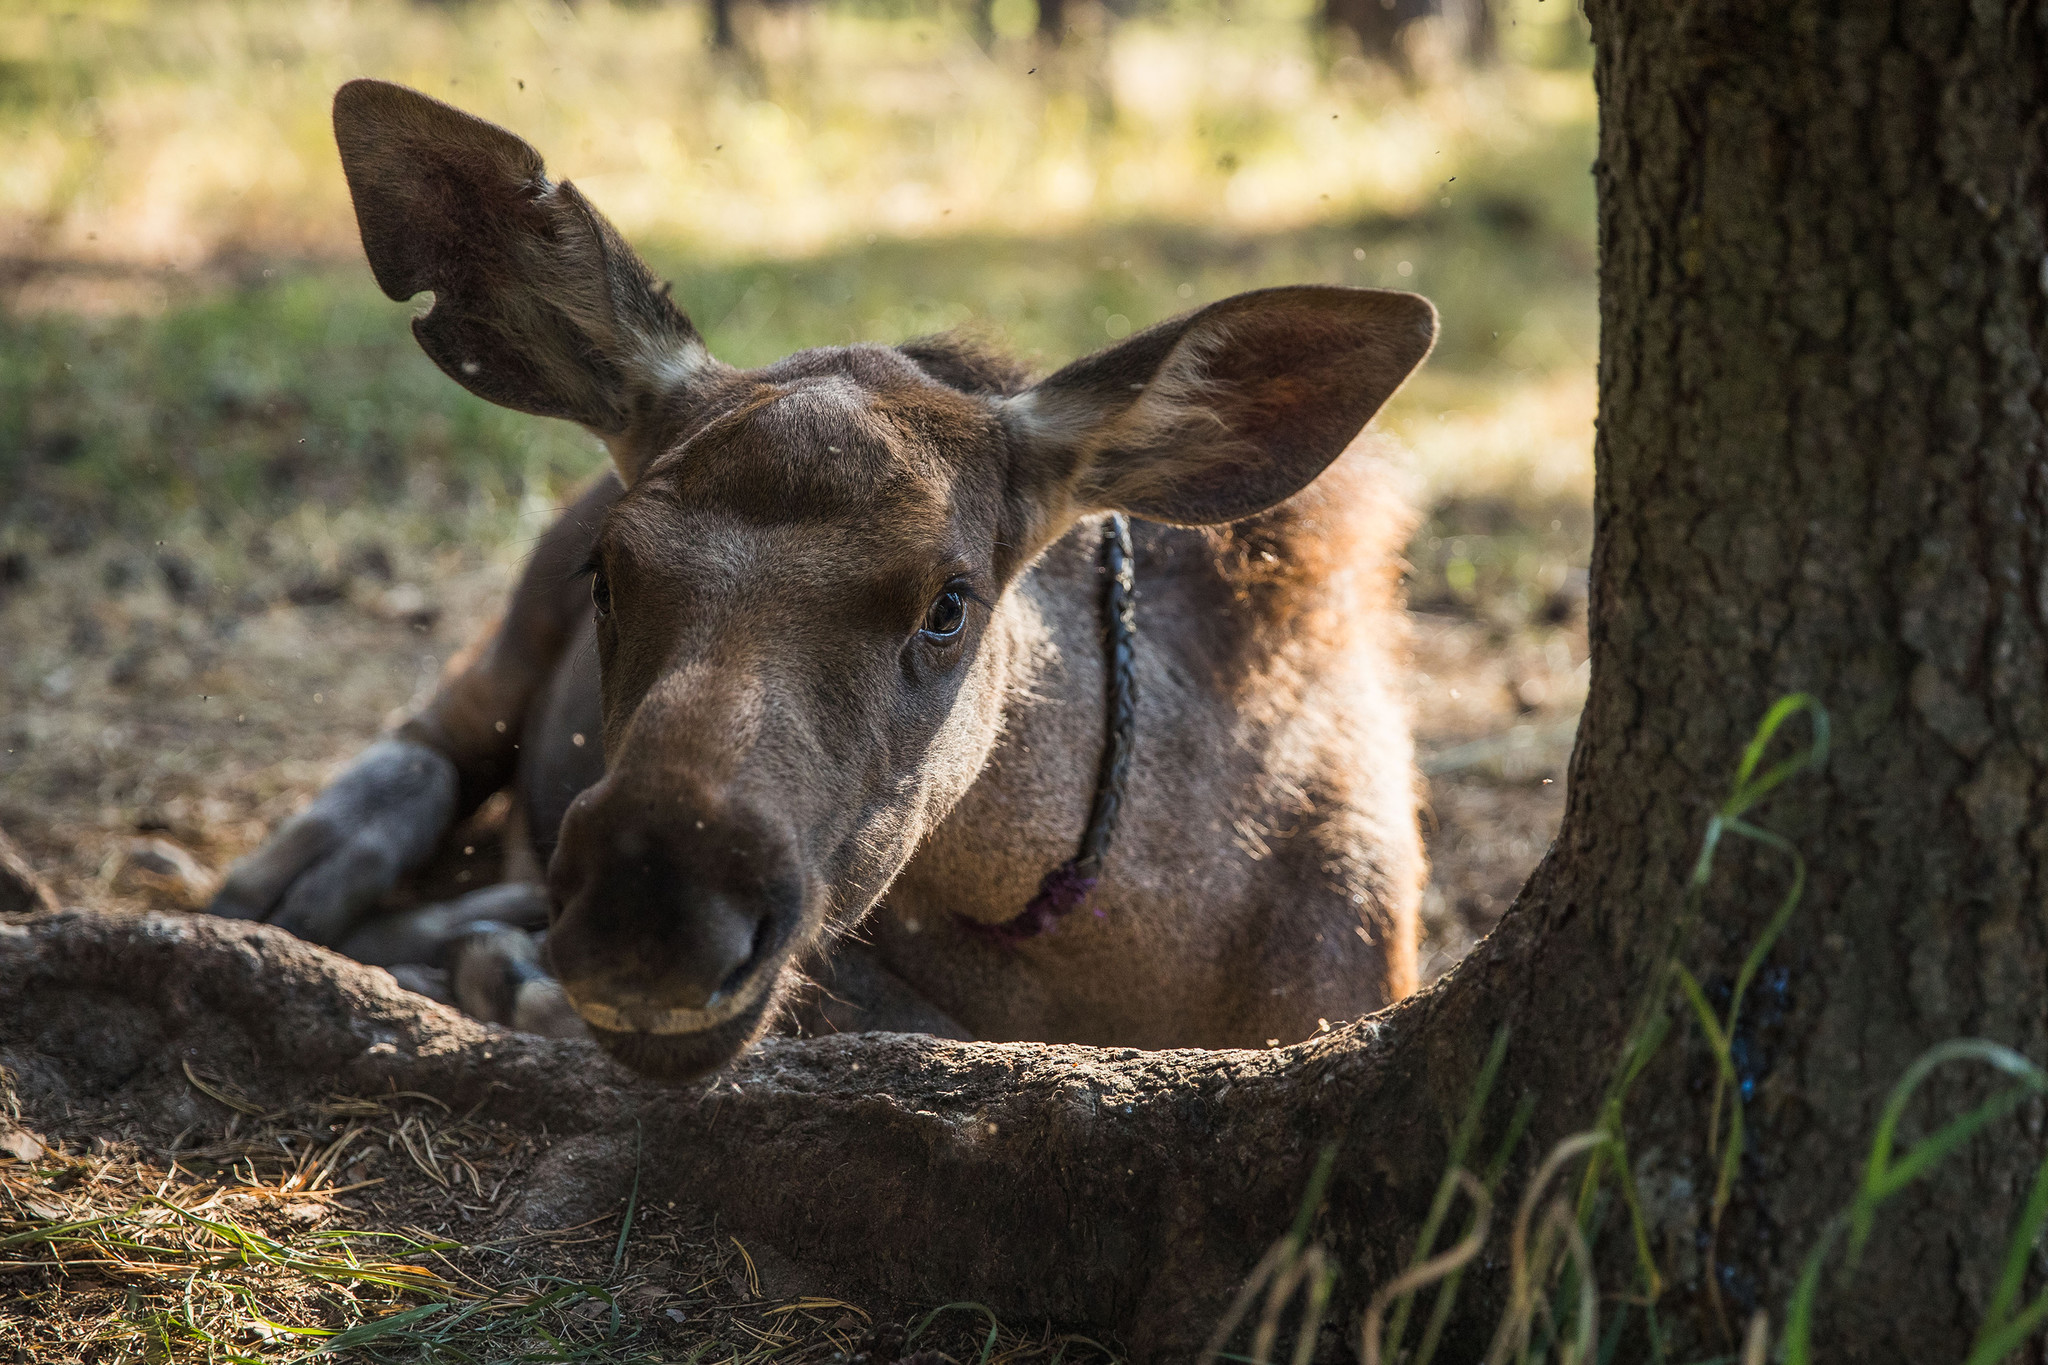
x: 1217, y: 414
x: 539, y: 305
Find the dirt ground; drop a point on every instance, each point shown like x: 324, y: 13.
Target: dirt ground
x: 163, y: 705
x: 400, y: 1172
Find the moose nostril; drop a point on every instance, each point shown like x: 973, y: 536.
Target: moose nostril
x: 653, y: 920
x: 757, y: 951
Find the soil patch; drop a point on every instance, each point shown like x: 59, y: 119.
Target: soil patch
x: 216, y: 1139
x: 230, y: 1140
x: 195, y: 706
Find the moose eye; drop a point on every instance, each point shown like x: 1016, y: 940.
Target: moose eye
x: 600, y: 593
x: 944, y: 618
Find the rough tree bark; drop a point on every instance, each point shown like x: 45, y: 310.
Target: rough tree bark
x: 1820, y: 469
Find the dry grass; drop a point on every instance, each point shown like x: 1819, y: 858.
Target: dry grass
x: 355, y: 1226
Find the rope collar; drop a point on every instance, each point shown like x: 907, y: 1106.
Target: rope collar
x: 1066, y: 887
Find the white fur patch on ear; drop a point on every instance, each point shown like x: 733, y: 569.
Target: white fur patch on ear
x: 1094, y: 418
x: 659, y: 367
x: 627, y: 457
x: 666, y: 367
x: 1155, y: 415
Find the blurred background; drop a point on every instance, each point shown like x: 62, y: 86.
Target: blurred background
x: 243, y: 520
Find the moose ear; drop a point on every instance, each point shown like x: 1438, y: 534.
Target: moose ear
x: 539, y: 304
x: 1221, y: 413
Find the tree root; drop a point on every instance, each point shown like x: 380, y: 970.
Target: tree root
x: 1121, y: 1193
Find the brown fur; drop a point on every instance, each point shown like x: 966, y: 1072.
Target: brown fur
x: 817, y: 794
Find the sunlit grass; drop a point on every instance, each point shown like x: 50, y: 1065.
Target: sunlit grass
x: 193, y: 333
x: 274, y: 1246
x: 307, y: 383
x: 170, y: 133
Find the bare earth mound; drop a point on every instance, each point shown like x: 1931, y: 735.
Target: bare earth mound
x: 884, y: 1169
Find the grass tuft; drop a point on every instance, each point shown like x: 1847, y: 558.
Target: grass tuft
x: 255, y: 1248
x: 1553, y: 1287
x: 1553, y: 1291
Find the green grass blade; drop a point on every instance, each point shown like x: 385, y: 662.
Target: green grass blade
x: 1750, y: 789
x: 381, y: 1327
x: 1884, y: 1176
x: 1995, y: 1348
x: 1703, y: 866
x: 1881, y: 1179
x: 1610, y: 1341
x: 1312, y: 1198
x: 1703, y: 1011
x: 1447, y: 1187
x: 1641, y: 1047
x: 2019, y: 1251
x: 632, y: 1204
x: 1931, y: 1150
x: 1797, y: 1344
x: 926, y: 1321
x: 1651, y: 1278
x: 1447, y: 1293
x: 1311, y: 1318
x: 1761, y: 949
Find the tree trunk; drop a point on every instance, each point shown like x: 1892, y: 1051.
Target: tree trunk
x: 1820, y: 469
x: 1052, y: 22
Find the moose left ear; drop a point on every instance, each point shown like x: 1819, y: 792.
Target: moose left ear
x: 1222, y: 413
x: 539, y: 304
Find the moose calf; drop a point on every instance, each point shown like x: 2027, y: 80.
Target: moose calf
x: 822, y: 709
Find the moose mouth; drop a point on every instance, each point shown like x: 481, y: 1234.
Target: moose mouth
x: 673, y: 1020
x: 676, y: 1042
x: 671, y: 955
x: 679, y: 1056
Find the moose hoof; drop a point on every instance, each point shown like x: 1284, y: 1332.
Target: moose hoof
x: 428, y: 934
x: 495, y: 974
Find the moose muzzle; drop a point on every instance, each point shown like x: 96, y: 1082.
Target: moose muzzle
x: 671, y: 916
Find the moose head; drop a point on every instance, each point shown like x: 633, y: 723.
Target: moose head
x: 803, y: 610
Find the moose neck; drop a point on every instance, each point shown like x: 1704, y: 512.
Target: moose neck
x: 1066, y: 888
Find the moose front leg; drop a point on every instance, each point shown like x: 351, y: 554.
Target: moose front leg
x: 385, y: 814
x: 367, y: 828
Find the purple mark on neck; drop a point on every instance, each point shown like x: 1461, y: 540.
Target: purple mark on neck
x: 1062, y: 892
